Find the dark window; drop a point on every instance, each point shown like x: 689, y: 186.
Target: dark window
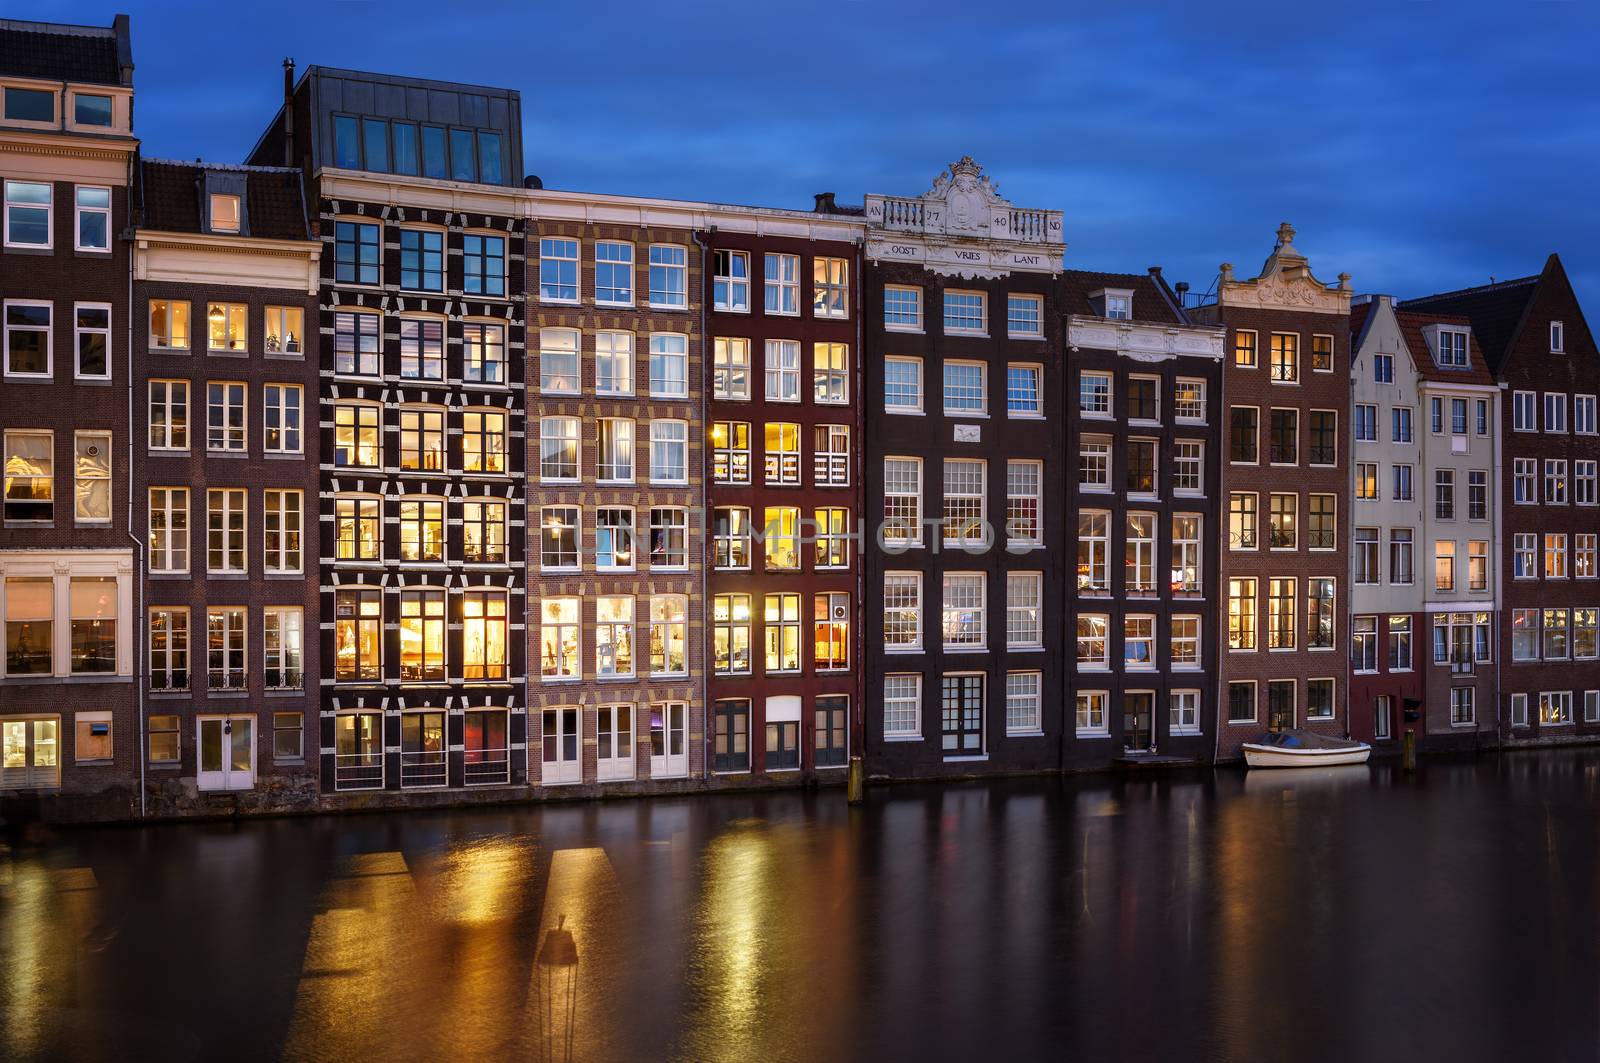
x: 375, y: 139
x: 30, y: 105
x: 462, y: 157
x: 346, y: 143
x: 731, y: 747
x: 961, y: 714
x: 435, y: 159
x: 1285, y: 437
x: 1141, y: 466
x: 783, y: 746
x: 1241, y: 702
x: 1141, y: 399
x: 1242, y: 434
x: 355, y: 253
x: 483, y: 265
x: 422, y: 260
x: 1280, y: 705
x: 489, y: 158
x: 831, y: 717
x: 405, y: 147
x: 1323, y: 438
x: 1320, y: 523
x: 91, y: 110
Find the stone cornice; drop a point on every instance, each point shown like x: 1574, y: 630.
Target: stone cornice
x: 1146, y: 341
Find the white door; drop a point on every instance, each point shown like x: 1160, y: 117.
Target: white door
x: 669, y: 740
x: 614, y: 743
x: 561, y: 744
x: 227, y: 749
x: 29, y: 754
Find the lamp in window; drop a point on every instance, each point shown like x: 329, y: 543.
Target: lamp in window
x: 557, y: 987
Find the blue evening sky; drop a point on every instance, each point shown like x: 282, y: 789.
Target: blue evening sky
x: 1419, y: 145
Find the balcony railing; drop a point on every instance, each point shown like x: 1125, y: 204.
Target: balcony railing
x: 217, y: 679
x: 358, y: 771
x: 423, y: 768
x: 285, y: 679
x: 487, y: 767
x: 171, y: 680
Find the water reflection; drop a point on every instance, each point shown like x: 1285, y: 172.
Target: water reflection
x: 1354, y: 914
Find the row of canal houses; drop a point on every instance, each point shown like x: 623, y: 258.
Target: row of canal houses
x: 370, y: 472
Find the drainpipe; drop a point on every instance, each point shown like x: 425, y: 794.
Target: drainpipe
x: 705, y: 581
x: 138, y: 620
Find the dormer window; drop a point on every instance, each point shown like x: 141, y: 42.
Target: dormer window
x: 224, y: 213
x: 1452, y: 349
x: 1558, y: 337
x: 1119, y: 306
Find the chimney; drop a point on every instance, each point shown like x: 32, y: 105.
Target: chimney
x: 533, y: 181
x: 825, y: 204
x: 1182, y: 290
x: 288, y: 112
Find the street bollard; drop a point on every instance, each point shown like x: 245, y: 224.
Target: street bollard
x: 1408, y: 751
x: 856, y: 782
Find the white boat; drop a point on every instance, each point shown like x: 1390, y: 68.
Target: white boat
x: 1303, y: 749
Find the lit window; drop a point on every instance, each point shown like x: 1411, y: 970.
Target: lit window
x: 613, y: 448
x: 422, y: 530
x: 485, y: 636
x: 558, y: 537
x: 169, y: 415
x: 483, y: 441
x: 285, y: 330
x: 357, y: 634
x: 831, y: 455
x: 613, y: 363
x: 669, y: 452
x: 422, y: 631
x: 558, y: 449
x: 356, y: 437
x: 169, y: 324
x: 782, y: 455
x: 484, y: 532
x: 830, y: 374
x: 669, y: 538
x: 613, y: 635
x: 731, y: 368
x: 224, y: 213
x: 357, y: 535
x: 831, y: 297
x: 558, y: 361
x: 560, y: 638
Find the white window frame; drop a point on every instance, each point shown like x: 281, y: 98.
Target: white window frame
x: 49, y: 338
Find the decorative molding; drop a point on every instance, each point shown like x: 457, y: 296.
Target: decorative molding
x: 1284, y: 283
x: 249, y: 262
x: 1146, y: 342
x: 962, y: 227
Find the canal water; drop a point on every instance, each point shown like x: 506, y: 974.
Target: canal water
x: 1349, y: 914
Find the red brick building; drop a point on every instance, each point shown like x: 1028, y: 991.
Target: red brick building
x: 783, y: 492
x: 69, y: 725
x: 1285, y: 477
x: 225, y: 486
x: 1543, y: 355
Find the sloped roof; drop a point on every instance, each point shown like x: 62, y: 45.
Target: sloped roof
x: 1494, y: 310
x: 57, y: 52
x: 169, y: 198
x: 1411, y: 325
x: 1150, y: 303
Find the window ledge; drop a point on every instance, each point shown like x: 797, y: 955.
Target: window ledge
x: 902, y: 738
x: 966, y: 758
x: 1024, y: 734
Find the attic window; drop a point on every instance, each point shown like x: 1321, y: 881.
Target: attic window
x: 30, y: 105
x: 1119, y: 306
x: 1558, y: 337
x: 224, y: 213
x: 1452, y: 349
